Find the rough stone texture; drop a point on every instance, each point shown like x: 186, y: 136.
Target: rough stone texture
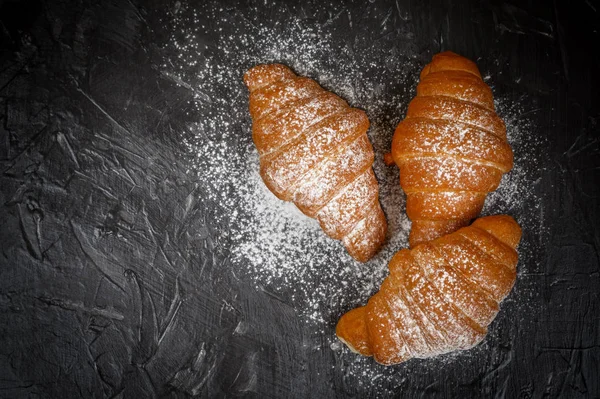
x: 110, y: 283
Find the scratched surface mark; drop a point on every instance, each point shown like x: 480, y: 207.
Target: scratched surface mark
x: 114, y: 279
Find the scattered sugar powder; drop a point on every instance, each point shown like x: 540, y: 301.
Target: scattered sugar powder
x: 271, y: 243
x: 517, y: 194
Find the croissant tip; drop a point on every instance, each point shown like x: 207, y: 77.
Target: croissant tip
x: 262, y: 74
x: 448, y: 60
x: 352, y: 331
x: 503, y: 227
x: 348, y: 345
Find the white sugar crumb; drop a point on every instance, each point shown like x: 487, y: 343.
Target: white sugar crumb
x: 272, y: 244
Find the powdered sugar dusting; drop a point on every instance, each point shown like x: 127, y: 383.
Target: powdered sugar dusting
x: 270, y: 242
x: 517, y: 194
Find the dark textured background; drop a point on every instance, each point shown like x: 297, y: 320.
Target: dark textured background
x: 109, y: 286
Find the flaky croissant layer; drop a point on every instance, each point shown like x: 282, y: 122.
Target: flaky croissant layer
x: 451, y: 148
x: 439, y: 296
x: 314, y: 151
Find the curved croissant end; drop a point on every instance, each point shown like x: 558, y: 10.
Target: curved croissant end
x: 451, y: 148
x: 314, y: 151
x: 439, y: 296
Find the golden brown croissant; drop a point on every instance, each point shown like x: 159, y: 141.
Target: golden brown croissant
x: 314, y: 151
x: 439, y: 296
x: 451, y: 148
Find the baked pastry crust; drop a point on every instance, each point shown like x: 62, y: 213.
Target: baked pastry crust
x: 314, y: 151
x: 451, y: 148
x: 439, y: 296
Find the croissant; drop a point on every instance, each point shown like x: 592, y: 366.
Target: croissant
x: 451, y: 148
x: 314, y: 151
x: 439, y: 296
